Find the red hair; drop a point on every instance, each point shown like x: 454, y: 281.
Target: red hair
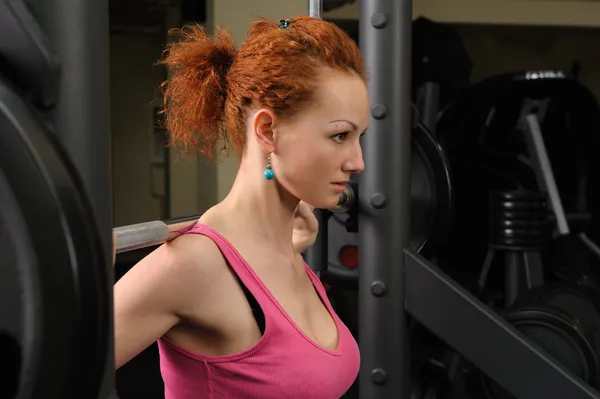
x: 211, y: 87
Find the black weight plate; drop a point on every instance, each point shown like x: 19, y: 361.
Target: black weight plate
x: 14, y: 263
x: 54, y: 283
x: 558, y: 334
x: 583, y: 305
x: 431, y: 208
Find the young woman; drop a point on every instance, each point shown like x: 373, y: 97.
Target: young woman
x: 236, y: 311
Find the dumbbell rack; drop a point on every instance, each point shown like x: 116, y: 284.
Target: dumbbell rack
x: 394, y: 282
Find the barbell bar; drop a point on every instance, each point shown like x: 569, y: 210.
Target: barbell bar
x: 155, y: 232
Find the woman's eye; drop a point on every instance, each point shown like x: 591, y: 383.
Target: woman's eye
x: 340, y: 137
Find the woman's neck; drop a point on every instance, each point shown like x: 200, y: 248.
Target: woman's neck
x: 263, y: 206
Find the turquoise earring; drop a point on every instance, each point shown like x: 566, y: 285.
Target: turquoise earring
x: 269, y: 175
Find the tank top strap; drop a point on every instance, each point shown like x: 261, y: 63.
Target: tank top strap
x: 238, y: 264
x: 316, y: 281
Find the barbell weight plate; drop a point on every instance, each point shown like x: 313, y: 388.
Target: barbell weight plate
x: 54, y: 301
x: 559, y: 334
x: 581, y: 304
x: 431, y: 208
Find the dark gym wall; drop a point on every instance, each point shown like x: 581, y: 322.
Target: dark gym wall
x: 496, y: 48
x: 133, y: 82
x: 136, y: 44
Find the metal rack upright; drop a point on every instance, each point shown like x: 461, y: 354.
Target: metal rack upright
x: 395, y: 282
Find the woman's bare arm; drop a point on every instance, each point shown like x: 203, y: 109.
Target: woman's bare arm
x: 150, y: 296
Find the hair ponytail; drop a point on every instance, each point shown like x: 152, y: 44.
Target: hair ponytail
x: 212, y: 87
x: 196, y: 89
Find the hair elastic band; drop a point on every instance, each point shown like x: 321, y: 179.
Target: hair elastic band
x: 284, y: 23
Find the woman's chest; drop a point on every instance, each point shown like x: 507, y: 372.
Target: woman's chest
x: 243, y: 308
x: 289, y: 366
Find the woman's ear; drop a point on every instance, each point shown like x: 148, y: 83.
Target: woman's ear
x: 262, y: 129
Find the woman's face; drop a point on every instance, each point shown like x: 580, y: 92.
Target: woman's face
x: 315, y: 153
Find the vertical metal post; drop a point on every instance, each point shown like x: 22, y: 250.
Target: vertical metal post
x: 384, y: 195
x: 79, y: 32
x: 315, y: 8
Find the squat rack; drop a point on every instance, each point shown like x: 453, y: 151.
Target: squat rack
x: 398, y: 282
x: 395, y: 282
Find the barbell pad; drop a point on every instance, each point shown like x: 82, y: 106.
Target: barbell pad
x: 141, y: 235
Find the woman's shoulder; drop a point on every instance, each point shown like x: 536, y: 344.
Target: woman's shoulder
x: 197, y: 254
x: 216, y: 231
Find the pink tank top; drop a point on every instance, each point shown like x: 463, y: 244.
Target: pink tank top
x: 284, y: 363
